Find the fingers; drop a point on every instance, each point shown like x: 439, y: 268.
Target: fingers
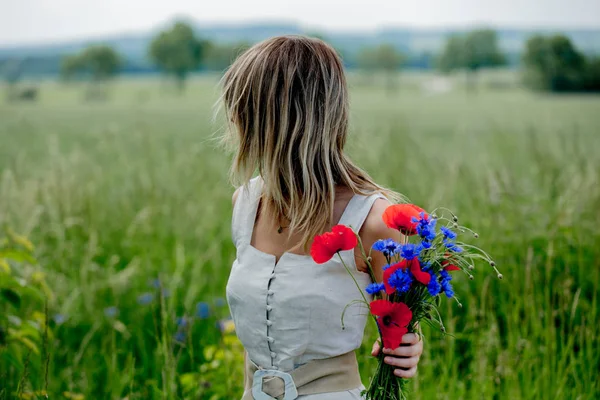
x: 376, y: 348
x: 406, y: 373
x: 411, y: 338
x: 406, y: 362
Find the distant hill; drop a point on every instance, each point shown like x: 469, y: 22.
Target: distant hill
x: 420, y: 45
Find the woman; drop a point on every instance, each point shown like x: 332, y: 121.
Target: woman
x: 287, y: 102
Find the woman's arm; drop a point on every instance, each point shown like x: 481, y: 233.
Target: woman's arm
x: 406, y: 357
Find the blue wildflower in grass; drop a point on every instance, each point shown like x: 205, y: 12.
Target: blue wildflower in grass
x: 165, y: 293
x: 220, y: 302
x: 202, y: 310
x: 445, y: 283
x: 111, y: 312
x: 410, y: 251
x: 145, y: 298
x: 452, y: 246
x: 434, y: 286
x: 425, y: 226
x: 179, y: 337
x: 401, y: 280
x: 182, y: 322
x: 387, y: 246
x: 375, y: 288
x: 59, y: 319
x: 448, y: 233
x: 155, y: 283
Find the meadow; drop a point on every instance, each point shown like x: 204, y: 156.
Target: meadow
x: 128, y: 205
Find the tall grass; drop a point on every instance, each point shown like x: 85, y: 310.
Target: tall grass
x: 119, y: 194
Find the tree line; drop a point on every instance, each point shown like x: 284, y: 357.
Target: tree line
x: 550, y: 63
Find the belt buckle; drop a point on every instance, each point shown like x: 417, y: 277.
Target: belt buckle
x: 290, y: 390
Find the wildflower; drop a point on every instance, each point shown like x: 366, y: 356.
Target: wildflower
x: 452, y: 246
x: 425, y: 226
x: 447, y: 264
x: 226, y: 326
x: 179, y: 337
x: 388, y: 247
x: 145, y: 298
x: 393, y: 321
x: 325, y: 246
x: 448, y: 233
x: 434, y: 286
x: 202, y: 310
x: 155, y: 283
x: 445, y: 283
x: 181, y: 322
x: 220, y: 302
x: 59, y: 319
x: 165, y: 293
x: 410, y: 251
x: 415, y: 269
x: 111, y: 312
x: 375, y: 288
x: 399, y: 216
x: 401, y: 280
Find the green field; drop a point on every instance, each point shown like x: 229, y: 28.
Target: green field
x: 119, y: 193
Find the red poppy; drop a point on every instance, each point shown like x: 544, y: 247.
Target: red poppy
x: 448, y: 266
x: 415, y: 269
x: 326, y: 245
x: 393, y: 321
x: 399, y: 216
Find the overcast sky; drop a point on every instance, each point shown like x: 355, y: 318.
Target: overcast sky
x: 42, y: 21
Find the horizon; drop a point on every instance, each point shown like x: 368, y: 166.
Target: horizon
x: 31, y: 22
x: 288, y: 22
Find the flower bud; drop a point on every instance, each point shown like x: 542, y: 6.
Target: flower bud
x: 471, y: 267
x: 476, y: 235
x: 500, y: 276
x: 471, y: 277
x: 434, y: 216
x: 493, y: 264
x: 443, y: 328
x: 454, y: 218
x: 455, y: 225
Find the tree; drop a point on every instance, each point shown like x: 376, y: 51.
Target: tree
x: 71, y: 66
x: 383, y: 58
x: 553, y: 63
x: 219, y: 57
x: 102, y: 62
x: 177, y: 51
x: 471, y: 52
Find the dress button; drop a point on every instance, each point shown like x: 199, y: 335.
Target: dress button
x: 270, y: 339
x: 270, y: 293
x: 273, y: 355
x: 269, y: 322
x: 269, y: 308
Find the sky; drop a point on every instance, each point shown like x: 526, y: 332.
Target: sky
x: 45, y: 21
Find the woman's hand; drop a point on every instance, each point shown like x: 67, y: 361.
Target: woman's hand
x: 406, y: 357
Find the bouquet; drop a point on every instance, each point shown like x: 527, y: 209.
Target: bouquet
x: 418, y: 272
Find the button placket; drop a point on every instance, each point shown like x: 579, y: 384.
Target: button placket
x: 269, y: 309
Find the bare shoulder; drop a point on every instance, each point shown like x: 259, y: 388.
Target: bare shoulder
x: 235, y: 195
x: 374, y: 228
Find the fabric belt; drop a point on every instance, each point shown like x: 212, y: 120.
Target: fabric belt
x: 334, y: 374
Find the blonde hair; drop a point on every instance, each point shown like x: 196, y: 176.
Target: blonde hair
x: 286, y: 102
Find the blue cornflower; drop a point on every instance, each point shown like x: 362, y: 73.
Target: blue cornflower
x: 155, y: 283
x: 426, y: 244
x: 387, y: 246
x: 434, y: 286
x: 202, y: 310
x: 111, y: 311
x: 375, y: 288
x: 445, y: 283
x: 452, y: 246
x: 220, y: 302
x: 401, y: 280
x: 59, y: 318
x: 182, y: 322
x: 448, y: 233
x: 179, y: 337
x: 145, y: 298
x: 425, y: 226
x: 165, y: 293
x: 410, y: 251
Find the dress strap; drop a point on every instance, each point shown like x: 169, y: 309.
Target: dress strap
x: 358, y: 209
x: 244, y: 211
